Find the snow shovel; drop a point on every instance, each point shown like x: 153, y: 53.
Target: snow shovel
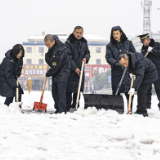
x: 39, y: 105
x: 114, y: 102
x: 17, y: 90
x: 79, y: 86
x: 130, y: 97
x: 17, y: 95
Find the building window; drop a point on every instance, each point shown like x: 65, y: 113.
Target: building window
x: 86, y: 68
x: 29, y: 61
x: 98, y: 49
x: 41, y: 61
x: 41, y: 49
x: 29, y: 49
x: 98, y: 61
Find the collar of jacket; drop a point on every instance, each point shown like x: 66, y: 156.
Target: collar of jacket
x: 52, y: 47
x: 132, y: 60
x: 59, y: 45
x: 151, y: 43
x: 72, y: 39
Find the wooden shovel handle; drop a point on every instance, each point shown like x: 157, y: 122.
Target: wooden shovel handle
x: 146, y: 54
x: 130, y: 96
x: 45, y: 79
x: 17, y: 90
x: 80, y: 80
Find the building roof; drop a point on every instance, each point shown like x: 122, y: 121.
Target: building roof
x: 91, y: 38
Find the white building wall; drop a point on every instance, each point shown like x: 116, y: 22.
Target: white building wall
x: 95, y: 55
x: 35, y: 55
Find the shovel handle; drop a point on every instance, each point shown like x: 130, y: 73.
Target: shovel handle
x: 17, y: 91
x: 79, y: 86
x: 44, y: 84
x: 130, y: 97
x: 119, y: 85
x: 146, y: 54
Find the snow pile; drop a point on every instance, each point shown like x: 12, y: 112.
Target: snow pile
x: 12, y: 109
x: 88, y: 134
x: 3, y: 109
x: 154, y: 113
x: 93, y: 111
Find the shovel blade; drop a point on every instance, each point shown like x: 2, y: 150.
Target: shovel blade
x: 40, y: 106
x: 114, y: 102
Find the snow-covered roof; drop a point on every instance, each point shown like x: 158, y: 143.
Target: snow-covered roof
x: 63, y: 37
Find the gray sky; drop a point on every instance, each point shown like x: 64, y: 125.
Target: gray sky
x: 20, y: 18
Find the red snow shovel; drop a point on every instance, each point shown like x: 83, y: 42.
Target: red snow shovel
x: 40, y: 105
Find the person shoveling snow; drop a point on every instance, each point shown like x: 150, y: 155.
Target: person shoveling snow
x: 10, y: 70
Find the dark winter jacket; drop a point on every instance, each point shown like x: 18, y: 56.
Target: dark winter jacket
x: 154, y: 56
x: 77, y: 51
x: 57, y: 59
x: 10, y: 70
x: 113, y: 50
x: 143, y: 68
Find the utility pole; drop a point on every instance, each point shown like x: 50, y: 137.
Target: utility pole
x: 146, y: 5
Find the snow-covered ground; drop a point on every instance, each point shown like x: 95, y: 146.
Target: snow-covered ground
x: 84, y: 135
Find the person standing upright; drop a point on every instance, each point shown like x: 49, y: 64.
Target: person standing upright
x: 78, y: 52
x: 154, y: 55
x: 119, y: 44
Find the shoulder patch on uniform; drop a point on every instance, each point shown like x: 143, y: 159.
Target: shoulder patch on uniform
x: 68, y: 41
x: 11, y: 60
x: 54, y: 63
x: 108, y: 44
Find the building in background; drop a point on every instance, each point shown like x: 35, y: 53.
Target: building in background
x: 35, y: 48
x: 35, y: 66
x: 34, y: 60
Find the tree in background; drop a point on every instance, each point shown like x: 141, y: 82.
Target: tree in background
x: 101, y: 81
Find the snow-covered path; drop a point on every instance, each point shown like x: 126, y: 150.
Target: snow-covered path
x: 85, y: 135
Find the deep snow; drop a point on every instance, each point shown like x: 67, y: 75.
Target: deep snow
x: 83, y: 135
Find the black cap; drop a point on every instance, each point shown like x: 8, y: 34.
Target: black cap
x: 143, y: 36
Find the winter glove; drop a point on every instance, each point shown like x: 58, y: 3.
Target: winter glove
x: 48, y: 74
x: 132, y: 90
x: 149, y: 49
x: 132, y: 75
x: 16, y: 86
x: 117, y: 65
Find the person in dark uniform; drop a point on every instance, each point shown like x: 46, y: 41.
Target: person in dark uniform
x: 57, y: 59
x: 145, y: 72
x: 10, y: 70
x: 78, y: 52
x: 119, y: 44
x: 154, y: 55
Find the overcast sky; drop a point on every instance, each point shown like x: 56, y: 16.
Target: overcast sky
x: 20, y: 18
